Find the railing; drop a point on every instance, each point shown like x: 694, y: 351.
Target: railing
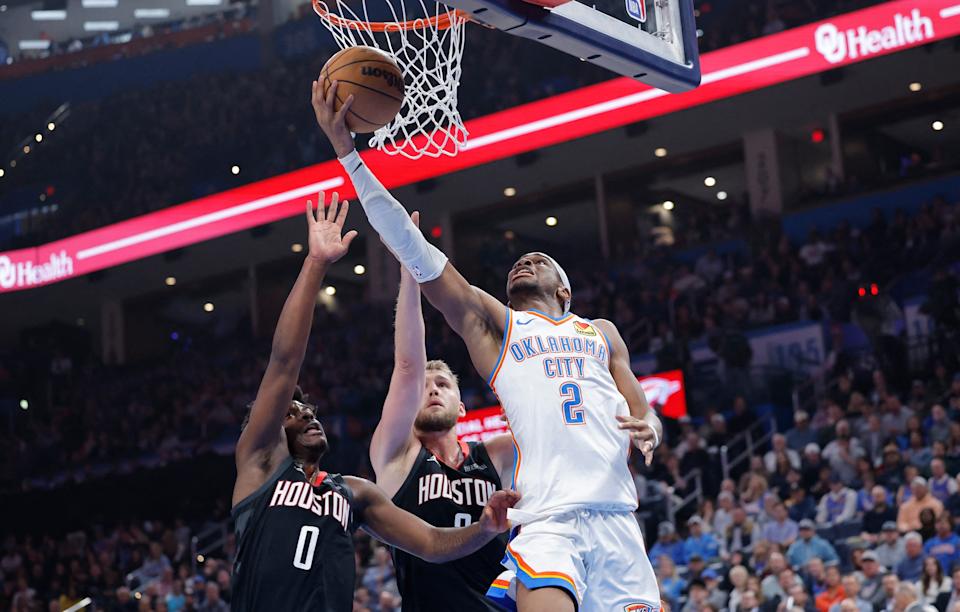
x: 674, y: 506
x: 208, y: 541
x: 751, y: 440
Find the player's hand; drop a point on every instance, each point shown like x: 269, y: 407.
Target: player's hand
x: 642, y: 435
x: 333, y: 123
x: 325, y: 227
x: 494, y: 517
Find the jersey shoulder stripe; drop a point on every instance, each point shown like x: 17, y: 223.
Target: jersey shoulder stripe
x: 507, y: 328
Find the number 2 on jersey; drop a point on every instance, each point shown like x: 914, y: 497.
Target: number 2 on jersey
x: 572, y: 400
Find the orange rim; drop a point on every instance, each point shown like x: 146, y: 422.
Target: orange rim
x: 439, y: 22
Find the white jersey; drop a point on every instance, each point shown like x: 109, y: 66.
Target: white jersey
x: 553, y: 380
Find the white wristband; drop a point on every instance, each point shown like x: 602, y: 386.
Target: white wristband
x: 656, y: 436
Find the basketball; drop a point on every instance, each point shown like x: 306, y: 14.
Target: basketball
x: 375, y: 81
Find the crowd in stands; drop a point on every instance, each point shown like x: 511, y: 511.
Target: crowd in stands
x: 856, y: 507
x: 151, y: 566
x: 137, y: 565
x: 157, y: 33
x: 662, y: 305
x: 855, y: 504
x: 191, y: 400
x: 146, y: 149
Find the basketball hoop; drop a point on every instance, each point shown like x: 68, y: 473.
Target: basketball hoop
x: 427, y: 44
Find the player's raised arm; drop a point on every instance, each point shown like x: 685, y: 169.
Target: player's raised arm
x: 646, y: 430
x: 264, y: 430
x: 394, y: 433
x: 475, y: 315
x: 399, y: 528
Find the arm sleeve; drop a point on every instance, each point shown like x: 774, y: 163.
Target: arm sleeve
x: 388, y: 217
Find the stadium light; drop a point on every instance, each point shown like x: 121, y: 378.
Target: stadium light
x: 34, y: 45
x: 204, y: 2
x: 170, y: 281
x: 296, y: 247
x: 26, y: 149
x: 234, y: 170
x: 101, y: 26
x: 38, y: 137
x: 48, y: 15
x: 359, y: 269
x: 660, y: 152
x: 51, y: 126
x: 208, y: 307
x: 24, y: 404
x: 98, y: 3
x: 330, y: 290
x: 710, y: 181
x: 721, y: 195
x: 915, y: 86
x: 151, y: 13
x: 510, y: 192
x: 509, y: 235
x: 2, y: 172
x: 937, y: 125
x: 551, y: 221
x: 668, y: 205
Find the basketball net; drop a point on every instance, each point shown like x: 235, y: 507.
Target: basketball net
x: 427, y: 44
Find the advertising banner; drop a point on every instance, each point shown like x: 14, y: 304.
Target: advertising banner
x: 731, y: 71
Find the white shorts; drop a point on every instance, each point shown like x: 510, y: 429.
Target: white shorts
x: 598, y: 557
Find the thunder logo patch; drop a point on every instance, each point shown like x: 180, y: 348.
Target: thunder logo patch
x: 584, y: 329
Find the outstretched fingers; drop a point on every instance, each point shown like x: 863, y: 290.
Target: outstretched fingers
x: 330, y: 211
x: 344, y: 109
x: 348, y: 238
x: 331, y: 96
x: 342, y: 213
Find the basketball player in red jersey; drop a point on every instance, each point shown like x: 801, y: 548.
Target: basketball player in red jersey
x: 294, y: 522
x: 427, y: 471
x: 568, y: 392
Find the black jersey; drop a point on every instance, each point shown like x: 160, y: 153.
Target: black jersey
x: 449, y: 497
x: 295, y: 544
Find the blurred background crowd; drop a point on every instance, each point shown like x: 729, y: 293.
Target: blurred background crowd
x: 828, y: 482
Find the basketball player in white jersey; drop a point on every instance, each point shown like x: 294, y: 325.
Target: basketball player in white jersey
x: 568, y: 392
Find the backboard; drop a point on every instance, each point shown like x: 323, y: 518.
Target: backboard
x: 653, y: 41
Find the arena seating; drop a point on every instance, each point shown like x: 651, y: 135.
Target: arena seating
x: 843, y: 479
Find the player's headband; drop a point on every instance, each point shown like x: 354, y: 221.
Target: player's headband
x: 563, y: 278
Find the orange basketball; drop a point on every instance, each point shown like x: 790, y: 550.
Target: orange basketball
x: 375, y: 81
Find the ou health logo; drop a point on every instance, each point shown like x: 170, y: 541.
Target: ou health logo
x: 836, y: 45
x: 831, y: 43
x: 8, y: 272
